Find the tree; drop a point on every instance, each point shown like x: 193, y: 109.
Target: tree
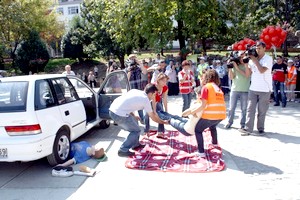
x: 72, y: 44
x: 32, y: 54
x: 19, y: 17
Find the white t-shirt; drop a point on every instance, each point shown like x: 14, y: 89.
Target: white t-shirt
x: 130, y: 102
x: 261, y: 82
x: 70, y: 73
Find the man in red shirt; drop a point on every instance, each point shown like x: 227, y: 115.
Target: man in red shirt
x: 279, y: 71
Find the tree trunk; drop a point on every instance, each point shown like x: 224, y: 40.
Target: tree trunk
x: 162, y: 52
x: 204, y: 45
x: 181, y: 37
x: 122, y: 61
x: 13, y: 55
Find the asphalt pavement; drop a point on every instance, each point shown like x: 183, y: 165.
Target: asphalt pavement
x: 256, y: 168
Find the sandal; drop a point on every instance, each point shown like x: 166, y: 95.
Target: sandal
x: 161, y: 135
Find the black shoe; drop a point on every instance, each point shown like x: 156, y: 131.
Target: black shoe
x: 244, y: 132
x: 228, y: 126
x: 140, y: 146
x: 283, y: 105
x: 125, y: 154
x: 276, y: 104
x: 261, y: 131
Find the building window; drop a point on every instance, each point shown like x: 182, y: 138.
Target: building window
x: 73, y: 10
x: 62, y: 1
x: 60, y: 11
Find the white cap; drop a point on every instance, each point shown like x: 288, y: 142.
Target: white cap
x: 290, y: 60
x: 201, y: 58
x: 218, y: 61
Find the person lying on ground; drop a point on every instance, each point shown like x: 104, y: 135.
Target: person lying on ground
x: 81, y: 152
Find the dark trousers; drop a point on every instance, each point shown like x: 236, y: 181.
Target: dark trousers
x: 201, y: 126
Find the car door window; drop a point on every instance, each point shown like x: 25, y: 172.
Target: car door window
x: 65, y: 93
x: 43, y: 95
x: 115, y: 84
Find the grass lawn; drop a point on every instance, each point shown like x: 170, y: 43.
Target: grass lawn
x: 53, y: 64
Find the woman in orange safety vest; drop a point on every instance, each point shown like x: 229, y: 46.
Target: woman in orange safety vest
x: 213, y: 107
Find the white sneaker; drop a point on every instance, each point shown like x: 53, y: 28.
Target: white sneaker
x: 62, y: 173
x: 198, y: 154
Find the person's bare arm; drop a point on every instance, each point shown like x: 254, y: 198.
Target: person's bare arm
x: 165, y: 100
x: 67, y: 163
x: 260, y: 68
x: 156, y: 118
x: 152, y: 68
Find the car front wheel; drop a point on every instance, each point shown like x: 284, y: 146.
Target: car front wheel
x: 61, y: 148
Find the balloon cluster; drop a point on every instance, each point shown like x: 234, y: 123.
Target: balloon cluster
x: 242, y: 45
x: 273, y: 36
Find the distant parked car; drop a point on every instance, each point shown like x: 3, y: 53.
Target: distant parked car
x: 40, y: 115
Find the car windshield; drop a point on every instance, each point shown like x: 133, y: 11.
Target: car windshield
x: 13, y: 96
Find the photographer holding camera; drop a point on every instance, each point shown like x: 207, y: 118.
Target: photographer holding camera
x: 260, y: 89
x: 239, y: 73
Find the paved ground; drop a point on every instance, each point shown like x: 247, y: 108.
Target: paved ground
x: 257, y: 168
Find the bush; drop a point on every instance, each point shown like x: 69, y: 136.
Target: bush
x: 32, y: 55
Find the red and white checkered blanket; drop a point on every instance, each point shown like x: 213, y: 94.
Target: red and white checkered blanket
x: 176, y: 154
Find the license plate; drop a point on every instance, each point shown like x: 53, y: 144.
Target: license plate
x: 3, y: 153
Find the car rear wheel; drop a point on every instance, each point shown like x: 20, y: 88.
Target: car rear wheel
x: 61, y: 148
x: 104, y: 124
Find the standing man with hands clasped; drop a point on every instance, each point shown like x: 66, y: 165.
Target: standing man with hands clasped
x: 240, y: 76
x: 186, y: 83
x: 279, y: 72
x: 259, y: 91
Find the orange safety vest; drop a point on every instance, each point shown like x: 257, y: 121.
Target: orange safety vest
x: 290, y: 75
x: 186, y: 86
x: 215, y: 108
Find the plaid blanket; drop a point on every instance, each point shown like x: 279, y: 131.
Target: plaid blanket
x: 176, y: 154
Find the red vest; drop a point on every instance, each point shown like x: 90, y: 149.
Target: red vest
x: 186, y: 86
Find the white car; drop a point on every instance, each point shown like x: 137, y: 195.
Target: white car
x: 40, y: 115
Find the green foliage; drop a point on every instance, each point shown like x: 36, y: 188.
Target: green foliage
x: 55, y: 64
x: 71, y: 44
x: 32, y: 55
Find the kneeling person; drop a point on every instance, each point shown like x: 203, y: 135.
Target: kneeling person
x: 122, y: 112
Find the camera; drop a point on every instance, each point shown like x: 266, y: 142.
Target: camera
x: 251, y: 51
x: 234, y: 57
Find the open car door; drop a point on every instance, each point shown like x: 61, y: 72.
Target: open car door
x: 114, y: 85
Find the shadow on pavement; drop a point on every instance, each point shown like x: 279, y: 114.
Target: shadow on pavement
x: 251, y: 166
x: 284, y: 138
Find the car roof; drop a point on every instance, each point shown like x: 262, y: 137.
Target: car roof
x: 32, y: 77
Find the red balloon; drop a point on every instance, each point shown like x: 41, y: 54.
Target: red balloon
x: 240, y: 47
x: 266, y: 38
x: 265, y: 30
x: 235, y: 46
x: 274, y: 39
x: 271, y: 31
x: 268, y: 46
x: 283, y: 34
x: 278, y: 30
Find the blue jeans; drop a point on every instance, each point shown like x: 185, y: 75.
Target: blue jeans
x: 129, y: 124
x: 161, y: 127
x: 279, y: 86
x: 187, y: 98
x: 234, y: 97
x: 201, y: 126
x: 175, y: 121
